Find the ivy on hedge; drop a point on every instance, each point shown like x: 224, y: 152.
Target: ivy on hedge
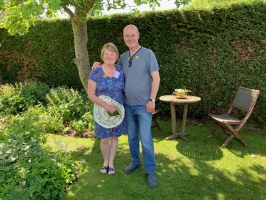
x: 209, y: 52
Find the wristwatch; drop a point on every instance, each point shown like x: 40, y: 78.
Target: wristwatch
x: 152, y: 100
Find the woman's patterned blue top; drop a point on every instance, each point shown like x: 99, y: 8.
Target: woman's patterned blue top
x: 114, y: 88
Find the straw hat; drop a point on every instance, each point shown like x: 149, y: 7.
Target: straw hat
x: 103, y: 118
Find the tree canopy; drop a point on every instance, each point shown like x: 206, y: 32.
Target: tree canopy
x: 18, y: 15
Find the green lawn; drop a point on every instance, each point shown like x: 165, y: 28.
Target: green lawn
x: 194, y: 169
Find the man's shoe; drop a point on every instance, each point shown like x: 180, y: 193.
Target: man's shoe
x: 131, y: 168
x: 152, y: 180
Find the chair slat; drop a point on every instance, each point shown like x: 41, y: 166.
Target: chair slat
x: 244, y: 98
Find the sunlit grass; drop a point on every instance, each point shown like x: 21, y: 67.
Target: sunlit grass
x: 194, y: 169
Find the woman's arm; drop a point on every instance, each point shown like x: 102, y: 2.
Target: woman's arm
x: 91, y: 94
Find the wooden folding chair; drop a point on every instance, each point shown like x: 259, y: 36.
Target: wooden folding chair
x: 244, y: 101
x: 154, y: 119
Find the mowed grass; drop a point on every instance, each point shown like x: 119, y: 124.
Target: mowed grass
x: 197, y: 168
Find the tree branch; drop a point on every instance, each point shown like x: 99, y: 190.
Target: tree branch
x: 83, y: 11
x: 68, y: 11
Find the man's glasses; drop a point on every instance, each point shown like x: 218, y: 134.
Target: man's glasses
x: 130, y: 62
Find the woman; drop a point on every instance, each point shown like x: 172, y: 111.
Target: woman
x: 108, y: 80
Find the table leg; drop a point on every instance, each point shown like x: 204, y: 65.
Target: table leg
x: 184, y: 119
x: 183, y: 134
x: 173, y: 120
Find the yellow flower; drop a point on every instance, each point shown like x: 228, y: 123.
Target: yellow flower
x: 104, y: 76
x: 137, y: 57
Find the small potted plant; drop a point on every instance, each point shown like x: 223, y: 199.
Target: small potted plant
x: 181, y: 93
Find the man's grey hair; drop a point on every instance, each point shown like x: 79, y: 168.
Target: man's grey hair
x: 131, y: 26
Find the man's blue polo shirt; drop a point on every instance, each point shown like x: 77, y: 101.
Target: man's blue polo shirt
x: 138, y: 76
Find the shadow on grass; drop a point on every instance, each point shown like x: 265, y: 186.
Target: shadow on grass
x: 203, y: 152
x: 199, y: 142
x: 179, y: 178
x: 255, y: 143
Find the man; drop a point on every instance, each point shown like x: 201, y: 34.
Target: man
x: 142, y: 83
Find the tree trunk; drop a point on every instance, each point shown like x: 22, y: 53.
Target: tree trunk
x: 79, y: 28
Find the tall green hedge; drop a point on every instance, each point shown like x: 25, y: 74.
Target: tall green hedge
x: 209, y: 52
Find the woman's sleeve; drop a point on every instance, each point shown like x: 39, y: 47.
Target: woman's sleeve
x: 93, y: 75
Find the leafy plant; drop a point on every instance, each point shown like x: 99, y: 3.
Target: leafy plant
x: 85, y: 123
x: 20, y: 96
x: 10, y: 99
x: 67, y: 102
x: 28, y: 170
x: 182, y: 91
x: 44, y: 119
x: 34, y: 93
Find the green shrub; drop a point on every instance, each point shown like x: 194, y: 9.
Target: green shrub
x: 65, y: 107
x: 67, y: 102
x: 9, y: 74
x: 88, y: 119
x: 10, y: 100
x: 85, y: 123
x: 28, y: 170
x: 20, y: 96
x: 36, y: 118
x: 44, y: 119
x: 12, y: 72
x: 34, y: 93
x: 34, y: 173
x: 4, y: 119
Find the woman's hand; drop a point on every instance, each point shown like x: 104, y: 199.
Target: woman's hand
x: 110, y: 108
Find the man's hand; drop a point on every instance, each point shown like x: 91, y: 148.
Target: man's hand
x: 150, y: 106
x: 96, y: 65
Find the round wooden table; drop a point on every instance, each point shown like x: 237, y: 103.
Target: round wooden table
x: 173, y: 100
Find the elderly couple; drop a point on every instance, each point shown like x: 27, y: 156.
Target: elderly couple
x: 133, y: 82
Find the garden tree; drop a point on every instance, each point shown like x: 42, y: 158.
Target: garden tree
x: 18, y: 15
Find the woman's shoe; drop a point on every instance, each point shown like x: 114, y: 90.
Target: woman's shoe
x: 111, y: 171
x: 104, y: 170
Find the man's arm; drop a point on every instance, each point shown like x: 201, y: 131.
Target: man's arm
x: 150, y: 106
